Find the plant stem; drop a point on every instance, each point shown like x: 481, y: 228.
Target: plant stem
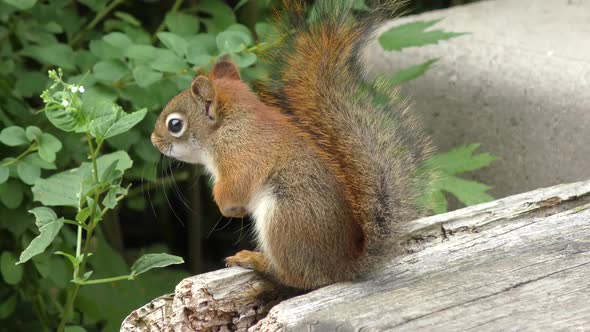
x: 68, y: 308
x: 32, y: 148
x: 104, y: 280
x: 75, y: 223
x: 78, y: 244
x: 99, y: 16
x: 174, y: 9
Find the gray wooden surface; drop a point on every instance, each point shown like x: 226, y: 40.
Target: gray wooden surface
x: 519, y: 263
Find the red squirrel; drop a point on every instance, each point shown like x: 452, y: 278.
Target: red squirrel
x: 323, y: 158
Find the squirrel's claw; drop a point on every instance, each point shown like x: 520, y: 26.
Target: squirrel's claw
x: 247, y: 259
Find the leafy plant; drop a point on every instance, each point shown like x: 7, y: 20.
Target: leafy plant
x: 446, y: 167
x: 95, y: 188
x: 125, y: 63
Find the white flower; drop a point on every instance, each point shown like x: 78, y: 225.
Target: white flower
x: 81, y: 89
x: 65, y: 102
x: 74, y: 89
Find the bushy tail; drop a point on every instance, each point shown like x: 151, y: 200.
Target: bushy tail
x: 321, y: 45
x: 372, y: 143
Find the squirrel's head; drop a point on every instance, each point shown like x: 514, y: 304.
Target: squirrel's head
x: 188, y: 129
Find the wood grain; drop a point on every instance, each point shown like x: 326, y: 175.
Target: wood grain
x: 519, y: 263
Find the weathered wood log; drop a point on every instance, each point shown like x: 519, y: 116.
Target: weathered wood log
x: 522, y: 262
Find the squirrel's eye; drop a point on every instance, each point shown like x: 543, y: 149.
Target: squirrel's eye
x: 176, y: 125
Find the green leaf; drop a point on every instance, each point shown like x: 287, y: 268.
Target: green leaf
x: 244, y: 60
x: 21, y: 4
x: 152, y: 261
x: 413, y: 34
x: 124, y: 162
x: 110, y: 173
x: 203, y: 43
x: 232, y: 41
x: 169, y: 62
x: 266, y: 32
x: 61, y: 189
x: 247, y: 34
x: 411, y: 73
x: 13, y: 136
x: 110, y: 199
x: 182, y: 24
x: 181, y: 81
x: 145, y: 76
x: 118, y: 40
x: 439, y: 202
x: 174, y: 42
x: 36, y: 160
x: 444, y: 167
x: 104, y: 50
x: 48, y: 232
x: 8, y: 307
x: 66, y: 119
x: 33, y: 133
x: 11, y: 194
x: 141, y: 52
x: 43, y: 215
x: 4, y: 174
x: 71, y: 258
x: 467, y: 192
x: 74, y: 328
x: 110, y: 70
x: 11, y: 273
x: 83, y: 214
x: 64, y: 189
x: 49, y: 145
x: 222, y: 15
x: 200, y: 49
x: 56, y: 54
x: 53, y: 27
x: 27, y: 172
x: 459, y: 160
x: 115, y: 122
x: 52, y: 268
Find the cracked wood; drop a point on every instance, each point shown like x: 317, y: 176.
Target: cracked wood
x: 521, y: 262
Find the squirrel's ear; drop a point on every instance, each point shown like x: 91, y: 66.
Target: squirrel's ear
x: 201, y: 88
x: 225, y: 69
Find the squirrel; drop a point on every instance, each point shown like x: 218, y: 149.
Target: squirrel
x: 325, y: 160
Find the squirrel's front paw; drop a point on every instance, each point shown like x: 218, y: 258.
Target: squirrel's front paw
x: 248, y: 259
x: 233, y: 211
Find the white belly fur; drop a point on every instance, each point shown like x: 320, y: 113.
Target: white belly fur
x: 262, y: 207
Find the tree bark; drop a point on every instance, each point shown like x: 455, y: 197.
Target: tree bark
x: 521, y: 262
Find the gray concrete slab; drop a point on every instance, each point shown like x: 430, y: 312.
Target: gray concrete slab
x: 519, y: 84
